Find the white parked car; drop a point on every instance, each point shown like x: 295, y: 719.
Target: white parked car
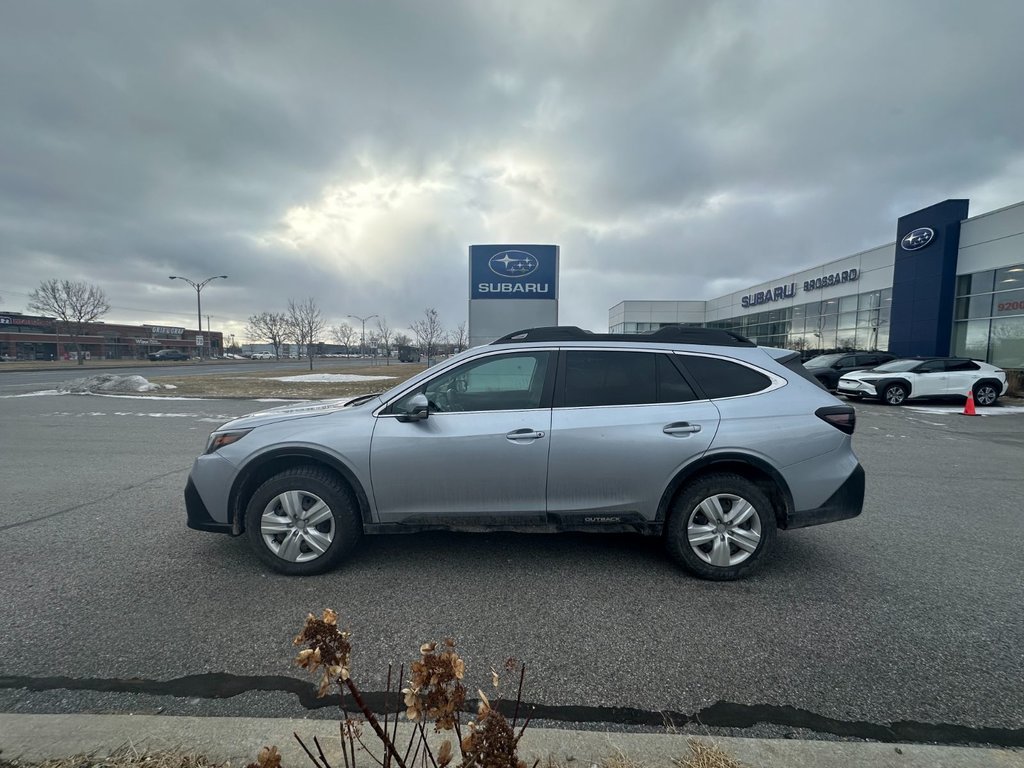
x: 262, y: 356
x: 931, y: 377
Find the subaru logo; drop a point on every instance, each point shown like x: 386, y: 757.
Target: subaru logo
x: 513, y: 264
x: 917, y: 239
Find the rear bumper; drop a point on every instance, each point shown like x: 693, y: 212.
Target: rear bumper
x: 199, y: 518
x: 846, y: 502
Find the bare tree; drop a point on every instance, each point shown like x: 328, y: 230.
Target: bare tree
x: 385, y: 337
x: 459, y: 337
x: 428, y: 332
x: 268, y: 326
x: 306, y: 324
x: 74, y: 304
x: 401, y: 340
x: 344, y: 334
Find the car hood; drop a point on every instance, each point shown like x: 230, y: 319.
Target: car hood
x: 303, y: 410
x: 870, y: 373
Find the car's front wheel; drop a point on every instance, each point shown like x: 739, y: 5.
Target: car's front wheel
x: 302, y: 521
x: 985, y: 394
x: 721, y: 527
x: 895, y: 394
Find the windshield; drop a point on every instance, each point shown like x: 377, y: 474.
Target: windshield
x: 898, y: 365
x: 822, y: 361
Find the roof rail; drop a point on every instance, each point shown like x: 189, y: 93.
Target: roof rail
x: 670, y: 334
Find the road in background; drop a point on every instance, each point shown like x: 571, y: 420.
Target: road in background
x: 911, y: 612
x: 14, y: 382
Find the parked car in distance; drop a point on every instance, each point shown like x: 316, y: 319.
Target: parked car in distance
x: 695, y: 435
x: 829, y: 368
x: 168, y: 354
x: 262, y: 356
x: 897, y: 381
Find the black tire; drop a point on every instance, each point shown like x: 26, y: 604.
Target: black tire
x: 895, y: 394
x: 687, y: 506
x: 311, y: 484
x: 986, y: 394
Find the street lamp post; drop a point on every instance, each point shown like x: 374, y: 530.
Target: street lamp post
x: 362, y: 338
x: 199, y: 304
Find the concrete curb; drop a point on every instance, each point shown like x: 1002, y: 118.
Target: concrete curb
x: 238, y: 739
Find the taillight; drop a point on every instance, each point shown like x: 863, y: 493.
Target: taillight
x: 842, y: 417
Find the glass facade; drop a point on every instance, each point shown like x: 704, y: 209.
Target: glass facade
x: 988, y: 321
x: 643, y: 327
x: 857, y: 321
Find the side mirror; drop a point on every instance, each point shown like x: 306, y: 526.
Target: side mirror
x: 417, y: 410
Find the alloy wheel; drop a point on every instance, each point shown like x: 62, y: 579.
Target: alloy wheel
x: 985, y: 394
x: 895, y: 395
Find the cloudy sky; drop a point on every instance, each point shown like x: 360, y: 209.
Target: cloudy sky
x: 351, y: 151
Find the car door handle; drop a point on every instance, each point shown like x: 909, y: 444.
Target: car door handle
x: 681, y: 428
x: 524, y: 434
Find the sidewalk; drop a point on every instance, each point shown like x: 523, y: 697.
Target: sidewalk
x: 39, y: 737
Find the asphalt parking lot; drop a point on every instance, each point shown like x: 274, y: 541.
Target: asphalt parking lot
x: 906, y: 620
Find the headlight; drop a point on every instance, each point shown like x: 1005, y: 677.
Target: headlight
x: 219, y: 439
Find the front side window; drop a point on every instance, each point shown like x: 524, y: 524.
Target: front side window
x: 498, y: 383
x: 932, y: 366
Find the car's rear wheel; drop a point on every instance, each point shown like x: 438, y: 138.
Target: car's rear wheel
x: 721, y: 527
x: 985, y: 394
x: 895, y: 394
x: 302, y: 521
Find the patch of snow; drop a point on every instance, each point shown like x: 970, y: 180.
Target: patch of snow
x: 40, y: 393
x: 1001, y: 410
x: 152, y: 397
x: 108, y: 382
x: 328, y: 377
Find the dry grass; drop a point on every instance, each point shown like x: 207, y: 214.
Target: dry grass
x: 705, y: 755
x: 125, y: 757
x: 251, y: 384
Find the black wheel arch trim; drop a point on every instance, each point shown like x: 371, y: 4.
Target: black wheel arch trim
x: 722, y: 460
x: 236, y: 512
x: 884, y: 384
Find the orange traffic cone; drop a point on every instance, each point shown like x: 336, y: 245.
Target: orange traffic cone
x: 969, y: 405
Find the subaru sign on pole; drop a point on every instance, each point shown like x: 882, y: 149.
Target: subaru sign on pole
x: 511, y: 287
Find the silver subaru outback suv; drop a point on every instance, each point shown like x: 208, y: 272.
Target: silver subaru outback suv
x: 695, y: 435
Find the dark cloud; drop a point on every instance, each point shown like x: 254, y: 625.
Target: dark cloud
x: 351, y: 151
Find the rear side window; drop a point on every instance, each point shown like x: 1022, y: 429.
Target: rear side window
x: 962, y: 365
x: 723, y: 378
x: 609, y: 378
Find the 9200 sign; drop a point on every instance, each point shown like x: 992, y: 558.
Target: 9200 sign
x: 846, y: 276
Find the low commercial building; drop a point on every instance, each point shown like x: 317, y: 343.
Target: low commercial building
x: 948, y: 285
x: 32, y: 337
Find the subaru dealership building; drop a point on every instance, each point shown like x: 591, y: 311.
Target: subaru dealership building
x: 948, y: 285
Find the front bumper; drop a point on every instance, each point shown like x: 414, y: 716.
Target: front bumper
x: 199, y: 518
x: 846, y: 502
x: 856, y: 387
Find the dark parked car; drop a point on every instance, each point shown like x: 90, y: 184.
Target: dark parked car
x: 168, y: 354
x: 828, y: 369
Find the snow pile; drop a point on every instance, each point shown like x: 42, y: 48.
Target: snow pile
x: 108, y: 382
x: 328, y: 377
